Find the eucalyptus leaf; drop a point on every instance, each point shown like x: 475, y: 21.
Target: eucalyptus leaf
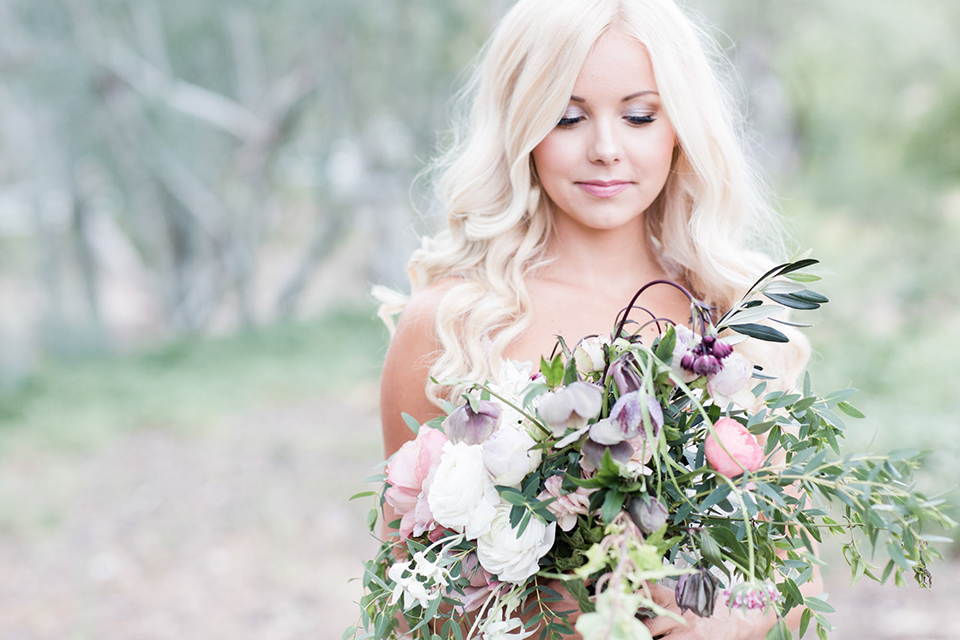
x: 793, y: 301
x: 411, y: 422
x: 760, y: 332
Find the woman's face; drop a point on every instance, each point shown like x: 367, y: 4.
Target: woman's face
x: 609, y: 156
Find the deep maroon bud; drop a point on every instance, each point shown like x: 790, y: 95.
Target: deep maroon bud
x: 721, y: 349
x: 706, y: 365
x: 463, y: 425
x: 697, y: 592
x: 687, y: 361
x: 709, y: 340
x: 647, y: 513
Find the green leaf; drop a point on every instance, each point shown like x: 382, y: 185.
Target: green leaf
x: 779, y: 631
x: 411, y: 422
x: 796, y: 266
x: 760, y: 332
x: 711, y: 550
x: 805, y: 621
x: 473, y: 401
x: 570, y: 374
x: 514, y: 497
x: 523, y: 524
x: 349, y: 633
x: 715, y: 496
x: 667, y: 343
x: 896, y: 554
x: 578, y: 589
x: 362, y: 494
x: 803, y: 277
x: 818, y: 605
x: 612, y: 505
x: 839, y: 396
x: 553, y: 370
x: 811, y: 296
x: 792, y: 300
x: 793, y: 590
x: 850, y: 410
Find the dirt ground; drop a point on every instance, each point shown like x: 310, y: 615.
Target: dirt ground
x: 243, y: 531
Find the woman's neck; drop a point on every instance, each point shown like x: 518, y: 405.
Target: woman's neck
x: 601, y: 260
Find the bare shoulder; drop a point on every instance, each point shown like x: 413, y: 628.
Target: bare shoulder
x: 407, y: 366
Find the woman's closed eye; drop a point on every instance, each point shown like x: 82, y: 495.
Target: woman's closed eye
x: 639, y: 119
x: 569, y: 121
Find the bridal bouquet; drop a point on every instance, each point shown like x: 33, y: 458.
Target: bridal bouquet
x: 620, y: 463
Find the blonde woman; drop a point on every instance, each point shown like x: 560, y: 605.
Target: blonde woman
x: 600, y: 153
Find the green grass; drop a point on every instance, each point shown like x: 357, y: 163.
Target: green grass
x: 191, y: 382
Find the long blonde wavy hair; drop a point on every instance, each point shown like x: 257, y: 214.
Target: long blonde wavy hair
x: 711, y: 227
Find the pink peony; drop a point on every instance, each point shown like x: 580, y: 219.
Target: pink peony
x: 742, y: 445
x: 409, y: 473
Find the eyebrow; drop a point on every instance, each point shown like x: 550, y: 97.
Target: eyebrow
x: 627, y: 99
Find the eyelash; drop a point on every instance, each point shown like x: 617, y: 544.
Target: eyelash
x: 634, y: 120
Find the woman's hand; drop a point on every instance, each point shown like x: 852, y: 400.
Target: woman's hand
x: 724, y: 624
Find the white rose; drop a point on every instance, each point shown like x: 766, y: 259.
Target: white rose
x: 589, y: 355
x: 509, y: 456
x: 512, y: 382
x: 509, y: 557
x: 462, y: 495
x: 726, y: 385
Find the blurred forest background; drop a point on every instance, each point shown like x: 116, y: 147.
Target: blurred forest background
x: 195, y: 196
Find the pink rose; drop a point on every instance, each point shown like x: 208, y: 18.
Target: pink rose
x: 409, y: 474
x: 741, y: 444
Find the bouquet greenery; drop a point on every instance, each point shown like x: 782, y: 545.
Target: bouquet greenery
x: 619, y: 464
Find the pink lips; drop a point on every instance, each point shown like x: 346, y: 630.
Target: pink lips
x: 602, y: 189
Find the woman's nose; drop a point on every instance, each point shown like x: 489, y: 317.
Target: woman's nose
x: 605, y: 146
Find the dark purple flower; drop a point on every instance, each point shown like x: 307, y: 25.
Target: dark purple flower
x: 463, y: 425
x: 722, y: 349
x: 647, y: 513
x: 697, y: 592
x: 706, y: 365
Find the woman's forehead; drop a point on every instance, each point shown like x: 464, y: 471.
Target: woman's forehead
x: 617, y: 67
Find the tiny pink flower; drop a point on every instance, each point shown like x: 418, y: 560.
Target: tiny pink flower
x: 742, y: 445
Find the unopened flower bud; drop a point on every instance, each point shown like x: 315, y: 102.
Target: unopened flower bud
x: 697, y: 592
x: 706, y: 365
x: 647, y: 513
x: 721, y: 349
x: 625, y: 374
x: 709, y: 340
x: 687, y: 361
x: 463, y: 425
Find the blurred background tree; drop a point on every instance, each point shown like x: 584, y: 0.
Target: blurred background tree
x: 195, y: 196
